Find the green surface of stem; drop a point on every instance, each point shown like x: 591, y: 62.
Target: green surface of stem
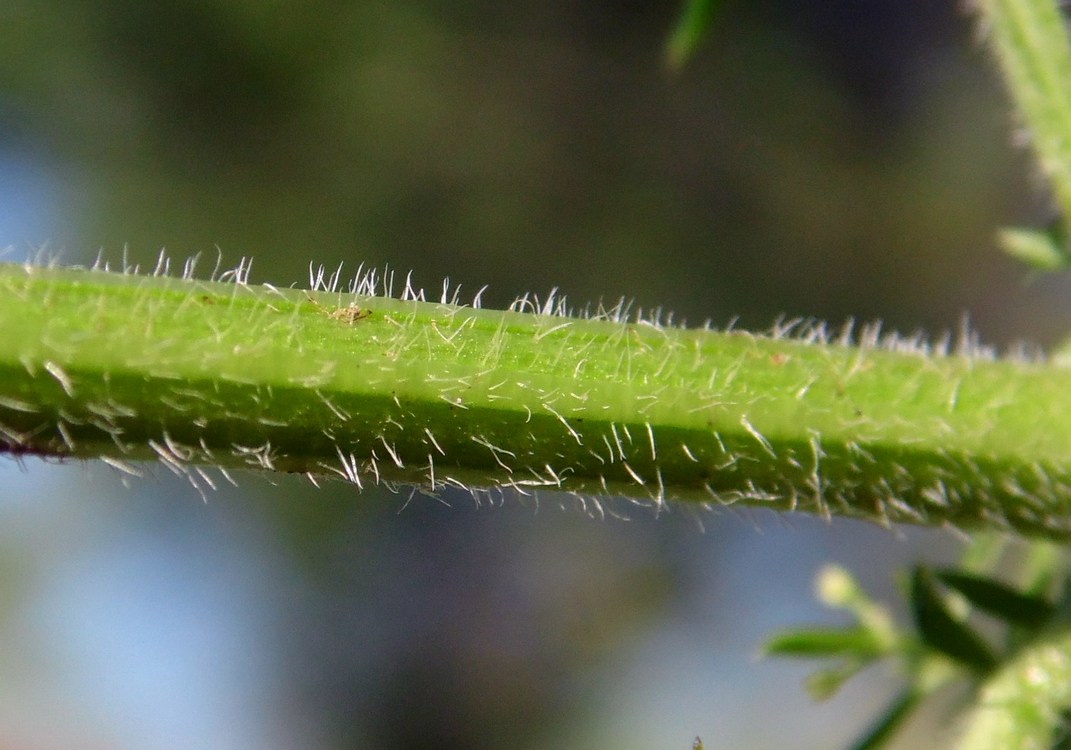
x: 209, y: 374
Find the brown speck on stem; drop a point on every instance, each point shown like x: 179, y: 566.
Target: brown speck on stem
x: 349, y: 314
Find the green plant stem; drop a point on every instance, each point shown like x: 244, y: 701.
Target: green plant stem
x: 196, y: 374
x: 1032, y: 48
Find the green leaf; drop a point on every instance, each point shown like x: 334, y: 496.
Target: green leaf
x: 999, y: 599
x: 824, y: 642
x: 694, y: 22
x: 1043, y: 251
x: 824, y: 684
x: 941, y: 631
x: 885, y: 727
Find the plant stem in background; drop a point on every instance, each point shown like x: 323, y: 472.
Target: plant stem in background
x: 208, y: 374
x: 1034, y: 54
x: 1032, y: 49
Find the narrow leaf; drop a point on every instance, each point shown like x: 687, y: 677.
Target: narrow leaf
x: 823, y: 642
x: 943, y: 632
x: 894, y: 716
x: 999, y: 599
x: 824, y: 684
x: 1042, y: 251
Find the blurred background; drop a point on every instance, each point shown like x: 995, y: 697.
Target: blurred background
x: 819, y: 158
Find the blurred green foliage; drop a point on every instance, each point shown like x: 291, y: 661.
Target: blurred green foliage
x: 808, y: 163
x: 691, y: 29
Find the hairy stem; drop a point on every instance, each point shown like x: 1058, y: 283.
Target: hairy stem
x: 1032, y: 48
x: 195, y: 374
